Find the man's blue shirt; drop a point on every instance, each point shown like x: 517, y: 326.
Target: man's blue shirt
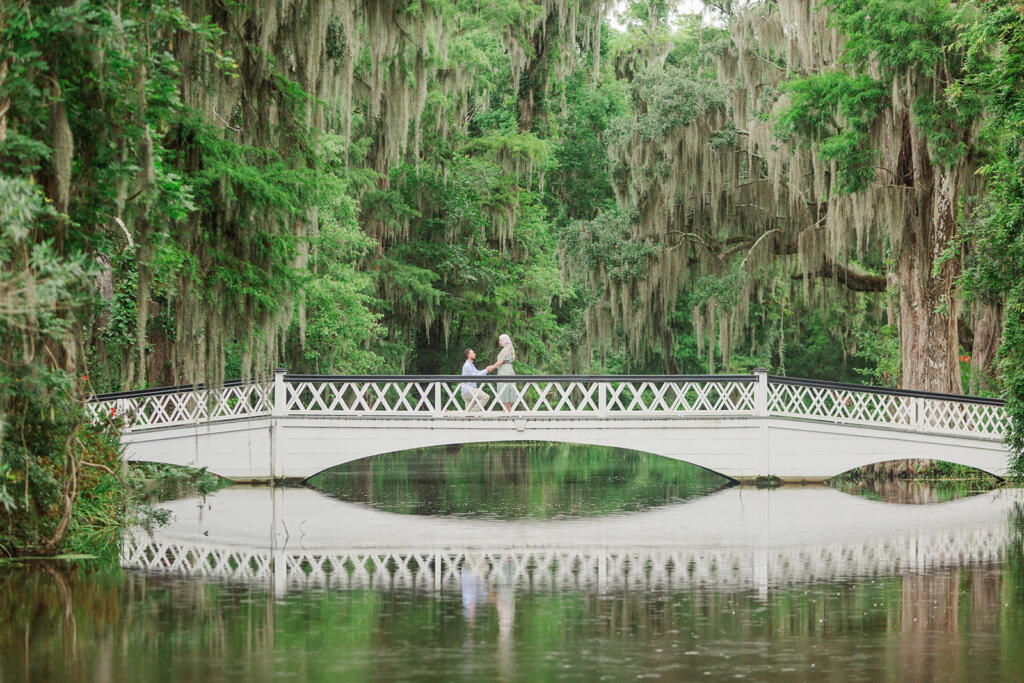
x: 468, y: 368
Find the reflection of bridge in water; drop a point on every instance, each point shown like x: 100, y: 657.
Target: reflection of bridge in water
x: 575, y: 568
x: 737, y: 538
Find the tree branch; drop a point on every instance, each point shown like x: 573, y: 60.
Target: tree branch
x: 857, y: 281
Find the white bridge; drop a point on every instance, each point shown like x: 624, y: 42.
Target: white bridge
x: 741, y: 426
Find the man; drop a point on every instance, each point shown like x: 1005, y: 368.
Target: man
x: 475, y: 398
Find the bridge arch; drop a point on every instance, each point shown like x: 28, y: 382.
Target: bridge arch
x: 618, y: 444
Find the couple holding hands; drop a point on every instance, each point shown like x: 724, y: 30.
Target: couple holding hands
x: 476, y: 398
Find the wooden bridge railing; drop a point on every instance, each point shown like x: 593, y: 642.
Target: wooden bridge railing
x: 556, y: 396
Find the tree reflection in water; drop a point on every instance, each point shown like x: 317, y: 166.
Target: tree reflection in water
x: 949, y: 624
x: 911, y: 492
x: 954, y: 618
x: 517, y: 480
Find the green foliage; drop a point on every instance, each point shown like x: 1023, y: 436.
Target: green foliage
x: 824, y: 103
x: 480, y: 218
x: 261, y: 232
x: 49, y: 454
x: 156, y: 482
x: 788, y: 335
x: 673, y: 98
x: 44, y: 438
x: 837, y: 110
x: 88, y: 94
x: 995, y: 268
x: 606, y: 245
x: 340, y: 323
x: 1011, y: 366
x: 514, y: 151
x: 880, y: 349
x: 898, y: 34
x: 944, y: 122
x: 579, y: 186
x: 129, y: 495
x: 718, y: 290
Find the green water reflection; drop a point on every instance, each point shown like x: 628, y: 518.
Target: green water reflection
x: 963, y: 624
x: 517, y: 480
x: 911, y: 492
x: 959, y: 616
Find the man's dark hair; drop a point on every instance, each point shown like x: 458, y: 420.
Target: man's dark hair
x: 466, y: 353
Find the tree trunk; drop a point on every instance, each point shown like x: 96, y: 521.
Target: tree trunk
x: 5, y: 103
x: 986, y: 342
x: 534, y: 80
x: 928, y: 322
x: 526, y: 109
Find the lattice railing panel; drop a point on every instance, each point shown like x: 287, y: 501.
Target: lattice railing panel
x: 681, y: 397
x: 240, y: 401
x: 186, y: 407
x: 842, y: 405
x: 962, y: 418
x: 558, y: 397
x: 360, y: 397
x: 528, y: 397
x: 867, y: 407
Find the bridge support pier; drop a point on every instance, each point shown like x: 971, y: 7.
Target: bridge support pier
x: 761, y: 411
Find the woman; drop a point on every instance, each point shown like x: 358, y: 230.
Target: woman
x: 506, y: 359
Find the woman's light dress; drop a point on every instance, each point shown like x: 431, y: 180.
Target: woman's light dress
x: 506, y: 391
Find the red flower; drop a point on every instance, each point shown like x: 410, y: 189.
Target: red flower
x: 85, y: 378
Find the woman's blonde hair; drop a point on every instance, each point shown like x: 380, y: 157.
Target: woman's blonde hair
x: 506, y: 341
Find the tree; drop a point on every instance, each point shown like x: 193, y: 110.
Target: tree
x: 817, y: 138
x: 995, y: 260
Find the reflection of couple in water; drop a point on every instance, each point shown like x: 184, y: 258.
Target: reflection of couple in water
x: 476, y: 398
x: 476, y: 590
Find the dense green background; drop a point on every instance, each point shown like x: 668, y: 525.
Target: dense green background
x: 191, y: 191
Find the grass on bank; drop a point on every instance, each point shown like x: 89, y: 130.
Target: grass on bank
x: 131, y: 499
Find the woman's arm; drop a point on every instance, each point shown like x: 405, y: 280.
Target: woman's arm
x: 501, y: 360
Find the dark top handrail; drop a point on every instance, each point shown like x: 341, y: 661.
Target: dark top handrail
x: 519, y: 378
x: 913, y: 393
x: 777, y: 379
x: 158, y: 391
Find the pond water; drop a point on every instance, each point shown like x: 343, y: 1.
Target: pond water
x: 538, y: 562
